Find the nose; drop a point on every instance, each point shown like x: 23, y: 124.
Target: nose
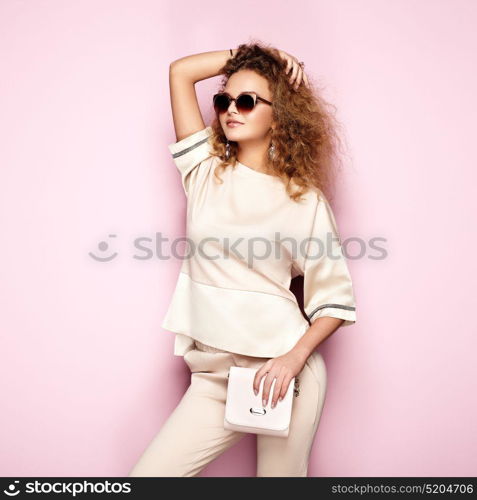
x: 232, y: 103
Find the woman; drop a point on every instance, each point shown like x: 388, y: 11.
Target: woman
x: 257, y: 216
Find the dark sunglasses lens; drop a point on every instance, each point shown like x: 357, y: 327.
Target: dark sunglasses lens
x: 245, y: 102
x: 221, y: 103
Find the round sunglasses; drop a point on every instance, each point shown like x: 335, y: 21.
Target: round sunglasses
x: 244, y: 102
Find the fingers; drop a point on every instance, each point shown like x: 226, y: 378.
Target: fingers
x: 260, y: 373
x: 288, y: 59
x: 285, y: 384
x: 267, y: 385
x: 289, y: 65
x: 278, y: 389
x: 282, y: 381
x: 294, y: 73
x: 297, y: 75
x: 298, y: 79
x: 283, y: 377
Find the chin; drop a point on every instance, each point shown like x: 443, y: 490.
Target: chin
x: 233, y: 135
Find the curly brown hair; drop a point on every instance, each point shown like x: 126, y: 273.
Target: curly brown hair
x: 306, y: 136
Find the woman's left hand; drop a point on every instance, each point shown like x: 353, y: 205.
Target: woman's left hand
x: 283, y: 368
x: 298, y: 74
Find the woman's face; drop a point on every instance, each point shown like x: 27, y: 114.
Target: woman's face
x: 256, y: 124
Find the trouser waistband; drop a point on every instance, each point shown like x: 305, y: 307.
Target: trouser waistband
x: 207, y: 348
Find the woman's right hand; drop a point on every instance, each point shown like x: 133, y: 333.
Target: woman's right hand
x: 297, y: 74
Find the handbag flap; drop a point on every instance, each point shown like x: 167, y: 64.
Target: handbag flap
x: 244, y: 408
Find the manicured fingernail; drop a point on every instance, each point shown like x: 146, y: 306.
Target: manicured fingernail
x: 255, y: 392
x: 273, y: 404
x: 280, y: 398
x: 264, y: 403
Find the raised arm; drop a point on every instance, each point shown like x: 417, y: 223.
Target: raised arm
x: 184, y: 73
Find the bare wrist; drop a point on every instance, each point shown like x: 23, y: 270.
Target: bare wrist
x: 302, y: 352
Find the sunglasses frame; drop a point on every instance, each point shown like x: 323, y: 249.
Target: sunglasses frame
x: 256, y: 97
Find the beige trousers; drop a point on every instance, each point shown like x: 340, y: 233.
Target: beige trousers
x: 194, y: 434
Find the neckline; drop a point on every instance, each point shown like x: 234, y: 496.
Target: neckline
x: 252, y: 172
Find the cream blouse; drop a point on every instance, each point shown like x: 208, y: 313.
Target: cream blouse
x: 246, y: 240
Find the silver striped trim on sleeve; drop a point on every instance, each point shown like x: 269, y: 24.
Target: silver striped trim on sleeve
x: 190, y: 148
x: 337, y: 306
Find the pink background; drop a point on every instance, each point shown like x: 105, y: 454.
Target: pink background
x: 87, y: 374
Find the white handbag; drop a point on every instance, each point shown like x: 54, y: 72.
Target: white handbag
x: 244, y: 411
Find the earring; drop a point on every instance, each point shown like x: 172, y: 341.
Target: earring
x: 271, y: 151
x: 227, y: 150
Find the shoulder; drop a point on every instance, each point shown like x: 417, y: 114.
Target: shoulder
x: 314, y: 197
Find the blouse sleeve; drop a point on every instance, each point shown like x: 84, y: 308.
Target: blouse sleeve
x: 328, y: 289
x: 188, y: 153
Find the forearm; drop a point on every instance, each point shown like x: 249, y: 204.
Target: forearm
x: 200, y: 66
x: 319, y: 330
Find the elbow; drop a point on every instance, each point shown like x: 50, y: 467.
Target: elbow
x: 177, y: 68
